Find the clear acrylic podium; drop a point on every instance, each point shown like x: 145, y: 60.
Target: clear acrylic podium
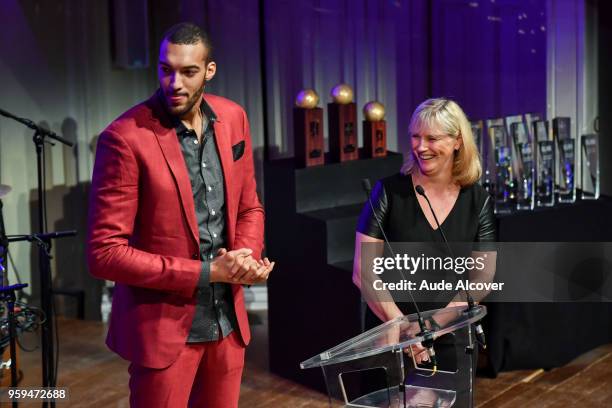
x: 375, y: 370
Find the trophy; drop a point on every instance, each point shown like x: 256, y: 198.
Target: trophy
x: 530, y: 119
x: 515, y: 136
x: 374, y: 130
x: 511, y: 121
x: 566, y: 148
x: 545, y: 165
x: 504, y: 188
x: 308, y: 130
x: 540, y: 131
x: 488, y: 145
x: 525, y: 168
x: 499, y: 122
x: 481, y: 146
x: 590, y: 167
x: 342, y: 119
x: 477, y: 129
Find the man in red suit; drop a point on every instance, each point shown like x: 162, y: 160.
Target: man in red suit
x: 175, y: 221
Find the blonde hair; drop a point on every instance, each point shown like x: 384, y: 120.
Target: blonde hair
x: 448, y: 116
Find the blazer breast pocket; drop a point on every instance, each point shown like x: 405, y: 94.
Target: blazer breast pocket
x: 238, y: 150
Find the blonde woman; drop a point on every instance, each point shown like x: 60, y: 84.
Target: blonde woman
x: 444, y: 160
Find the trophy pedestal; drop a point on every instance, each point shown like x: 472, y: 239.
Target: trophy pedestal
x: 308, y: 137
x: 342, y: 132
x: 375, y: 138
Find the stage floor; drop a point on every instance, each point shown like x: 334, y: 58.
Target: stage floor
x: 98, y: 378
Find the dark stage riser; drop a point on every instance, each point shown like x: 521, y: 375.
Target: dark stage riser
x: 547, y: 335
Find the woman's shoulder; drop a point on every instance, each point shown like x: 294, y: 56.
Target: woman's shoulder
x: 397, y: 183
x: 477, y: 192
x: 397, y: 186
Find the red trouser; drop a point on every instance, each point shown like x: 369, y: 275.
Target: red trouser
x: 205, y: 375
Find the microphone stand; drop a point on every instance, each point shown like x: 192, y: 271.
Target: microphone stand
x: 7, y: 294
x: 48, y: 362
x: 43, y: 241
x: 480, y: 336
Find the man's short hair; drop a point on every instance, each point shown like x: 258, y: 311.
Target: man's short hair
x: 189, y: 33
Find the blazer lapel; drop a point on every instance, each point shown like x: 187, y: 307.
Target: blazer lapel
x: 168, y: 142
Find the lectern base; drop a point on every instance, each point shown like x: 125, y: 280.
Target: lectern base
x: 420, y: 397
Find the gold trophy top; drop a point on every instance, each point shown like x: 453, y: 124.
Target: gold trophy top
x: 374, y: 111
x: 307, y: 99
x: 342, y: 94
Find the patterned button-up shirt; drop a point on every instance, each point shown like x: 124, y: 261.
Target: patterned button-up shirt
x: 214, y: 315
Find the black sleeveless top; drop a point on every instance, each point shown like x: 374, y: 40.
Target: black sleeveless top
x: 470, y: 220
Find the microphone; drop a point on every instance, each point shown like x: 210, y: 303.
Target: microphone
x: 367, y: 186
x: 427, y: 335
x: 419, y: 189
x: 42, y: 237
x: 480, y: 336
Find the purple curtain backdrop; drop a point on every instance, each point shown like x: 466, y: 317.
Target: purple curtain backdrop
x: 488, y: 55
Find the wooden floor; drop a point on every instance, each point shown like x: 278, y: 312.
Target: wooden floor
x: 98, y: 378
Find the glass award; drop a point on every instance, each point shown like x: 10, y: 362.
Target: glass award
x: 511, y: 121
x: 488, y: 159
x: 523, y: 166
x: 478, y: 133
x: 567, y: 160
x: 530, y: 119
x: 525, y: 197
x: 590, y: 167
x: 499, y: 137
x: 504, y: 191
x: 545, y: 173
x: 561, y: 128
x: 515, y: 135
x: 540, y: 131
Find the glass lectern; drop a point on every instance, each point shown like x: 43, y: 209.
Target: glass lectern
x: 376, y: 370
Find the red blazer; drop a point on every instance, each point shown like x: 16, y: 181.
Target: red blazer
x: 143, y: 232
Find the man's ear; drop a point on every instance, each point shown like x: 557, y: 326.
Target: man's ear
x: 211, y: 70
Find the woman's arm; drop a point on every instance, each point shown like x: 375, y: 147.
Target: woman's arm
x: 379, y: 301
x: 373, y: 217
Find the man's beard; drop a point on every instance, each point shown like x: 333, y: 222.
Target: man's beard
x: 178, y: 111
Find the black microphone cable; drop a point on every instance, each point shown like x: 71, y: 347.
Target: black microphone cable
x: 428, y: 338
x: 480, y: 336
